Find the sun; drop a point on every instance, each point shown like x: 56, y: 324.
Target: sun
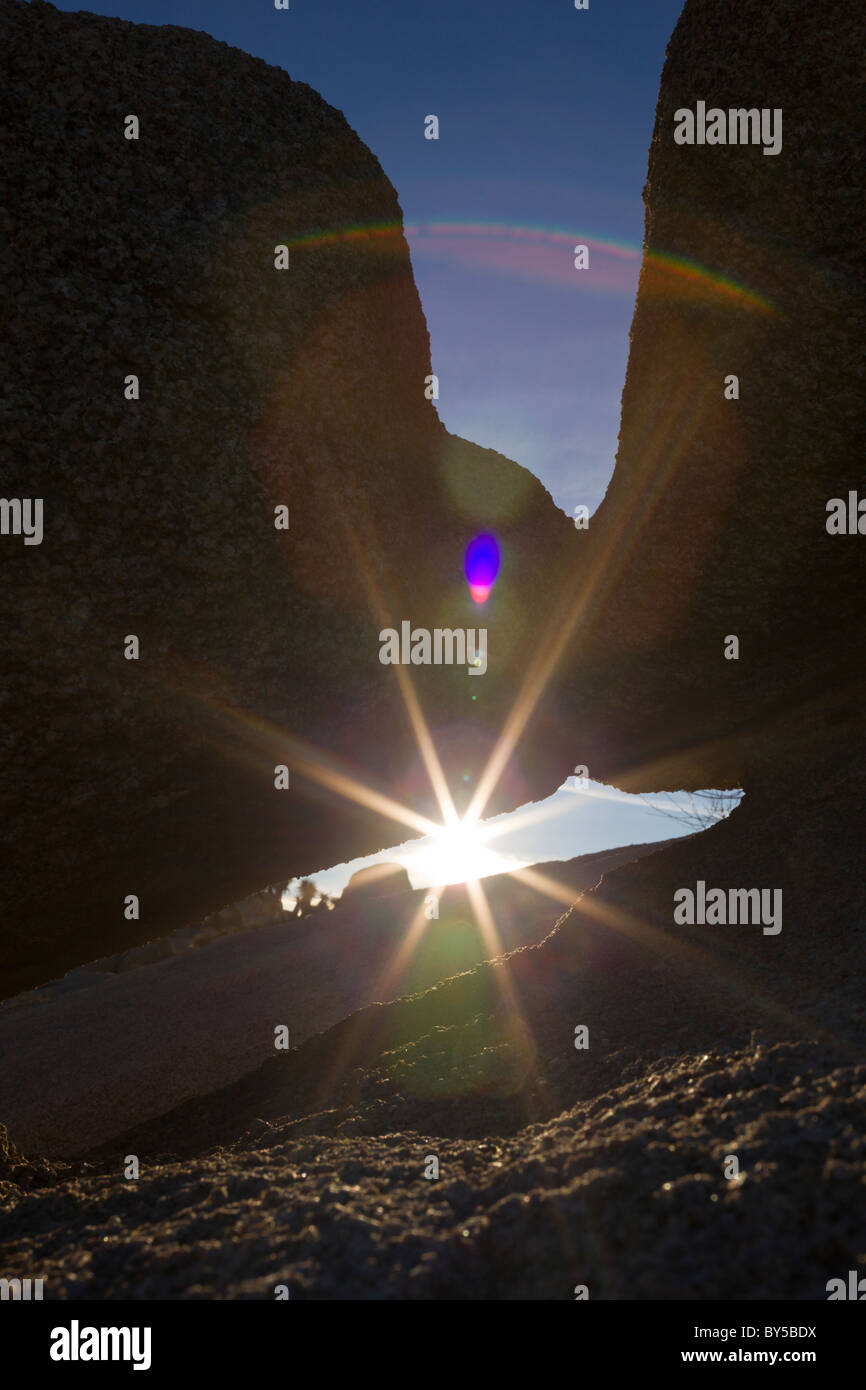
x: 456, y: 854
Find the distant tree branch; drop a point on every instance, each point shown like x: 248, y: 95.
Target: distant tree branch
x: 700, y: 810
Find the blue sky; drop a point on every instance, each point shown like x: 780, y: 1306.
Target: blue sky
x: 546, y: 115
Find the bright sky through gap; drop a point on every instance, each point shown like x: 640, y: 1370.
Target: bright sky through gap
x: 567, y: 824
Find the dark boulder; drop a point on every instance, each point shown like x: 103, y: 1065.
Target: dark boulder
x: 258, y: 388
x: 714, y: 523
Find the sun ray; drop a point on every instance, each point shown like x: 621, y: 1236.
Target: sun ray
x: 683, y: 954
x: 524, y: 1041
x: 426, y: 748
x: 574, y: 604
x: 542, y: 883
x: 261, y: 739
x: 423, y: 738
x: 405, y: 951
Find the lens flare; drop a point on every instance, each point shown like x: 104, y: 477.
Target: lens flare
x: 481, y: 566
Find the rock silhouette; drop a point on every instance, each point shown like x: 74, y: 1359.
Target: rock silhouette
x: 714, y: 520
x: 258, y: 389
x: 377, y: 881
x: 199, y: 1017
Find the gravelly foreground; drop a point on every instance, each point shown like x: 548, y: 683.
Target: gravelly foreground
x: 624, y: 1193
x: 704, y: 1043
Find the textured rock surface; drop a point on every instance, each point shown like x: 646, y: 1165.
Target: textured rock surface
x: 714, y: 522
x: 258, y: 388
x: 169, y: 1029
x: 605, y: 1164
x: 623, y: 1193
x: 483, y: 1051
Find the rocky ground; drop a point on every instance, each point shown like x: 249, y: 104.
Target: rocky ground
x: 624, y: 1193
x: 609, y: 1166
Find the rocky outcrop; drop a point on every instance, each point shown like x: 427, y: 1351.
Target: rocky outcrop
x: 181, y: 1017
x: 376, y: 881
x: 258, y: 388
x: 714, y: 521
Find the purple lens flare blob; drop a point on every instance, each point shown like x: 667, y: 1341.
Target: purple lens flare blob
x: 481, y: 566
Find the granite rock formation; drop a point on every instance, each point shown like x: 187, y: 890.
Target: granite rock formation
x: 714, y: 521
x: 258, y: 388
x: 377, y: 881
x: 201, y: 1016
